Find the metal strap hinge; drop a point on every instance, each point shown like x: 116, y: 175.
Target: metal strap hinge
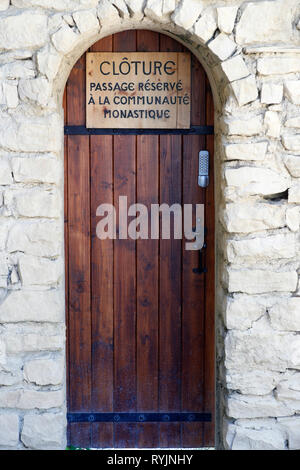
x: 138, y: 417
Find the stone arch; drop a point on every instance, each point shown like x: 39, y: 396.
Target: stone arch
x: 257, y: 283
x: 222, y: 59
x: 114, y: 23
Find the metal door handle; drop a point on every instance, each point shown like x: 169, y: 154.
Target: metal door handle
x: 201, y: 269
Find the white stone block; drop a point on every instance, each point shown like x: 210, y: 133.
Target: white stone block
x: 9, y: 429
x: 31, y: 399
x: 292, y: 428
x: 17, y: 69
x: 35, y: 202
x: 122, y: 8
x: 259, y: 281
x: 206, y: 26
x: 285, y: 314
x: 245, y: 90
x: 4, y: 4
x: 245, y: 151
x: 252, y: 382
x: 243, y: 310
x: 153, y: 9
x: 251, y: 439
x: 23, y: 343
x: 5, y: 225
x: 37, y: 90
x: 44, y: 169
x: 272, y: 124
x: 168, y: 6
x: 247, y: 217
x: 160, y: 10
x: 187, y: 13
x: 288, y: 390
x: 108, y: 14
x: 265, y: 22
x: 261, y: 348
x: 271, y: 93
x: 291, y: 142
x: 250, y: 125
x: 49, y: 60
x: 23, y: 29
x: 58, y: 5
x: 8, y: 378
x: 294, y: 193
x: 32, y: 306
x: 226, y: 18
x: 256, y: 181
x: 136, y: 9
x: 5, y: 172
x: 10, y: 92
x: 2, y: 352
x: 39, y: 271
x: 279, y: 246
x: 278, y: 65
x: 3, y: 264
x: 293, y: 218
x: 31, y: 134
x: 65, y: 40
x: 44, y: 371
x: 86, y: 21
x: 40, y: 238
x: 243, y: 406
x: 235, y: 68
x: 292, y: 91
x: 292, y: 162
x: 293, y: 122
x: 45, y: 431
x: 222, y: 46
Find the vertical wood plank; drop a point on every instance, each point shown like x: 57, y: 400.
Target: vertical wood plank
x: 76, y: 94
x: 79, y: 256
x: 170, y: 282
x: 170, y: 295
x: 102, y: 290
x: 209, y: 327
x: 66, y: 252
x: 193, y: 291
x: 124, y: 295
x: 79, y: 284
x: 147, y: 275
x: 124, y: 277
x: 102, y: 281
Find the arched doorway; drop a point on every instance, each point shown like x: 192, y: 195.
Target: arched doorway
x: 140, y: 321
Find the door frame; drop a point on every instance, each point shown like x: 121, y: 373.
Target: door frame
x: 194, y: 130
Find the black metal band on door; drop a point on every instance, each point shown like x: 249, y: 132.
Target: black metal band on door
x: 138, y: 417
x: 194, y: 130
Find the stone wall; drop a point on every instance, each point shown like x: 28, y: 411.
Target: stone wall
x: 251, y: 53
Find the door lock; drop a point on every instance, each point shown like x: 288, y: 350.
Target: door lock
x: 201, y: 269
x: 203, y: 173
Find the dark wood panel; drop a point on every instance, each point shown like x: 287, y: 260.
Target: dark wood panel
x: 209, y: 327
x: 102, y: 281
x: 170, y: 281
x: 79, y: 282
x: 76, y: 94
x: 124, y: 277
x: 170, y: 295
x: 147, y: 275
x: 142, y: 338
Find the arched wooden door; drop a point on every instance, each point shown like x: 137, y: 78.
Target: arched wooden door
x: 140, y: 322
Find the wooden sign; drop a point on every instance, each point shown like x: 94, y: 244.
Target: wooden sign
x: 138, y: 90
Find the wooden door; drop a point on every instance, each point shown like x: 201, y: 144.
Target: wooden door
x: 140, y: 322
